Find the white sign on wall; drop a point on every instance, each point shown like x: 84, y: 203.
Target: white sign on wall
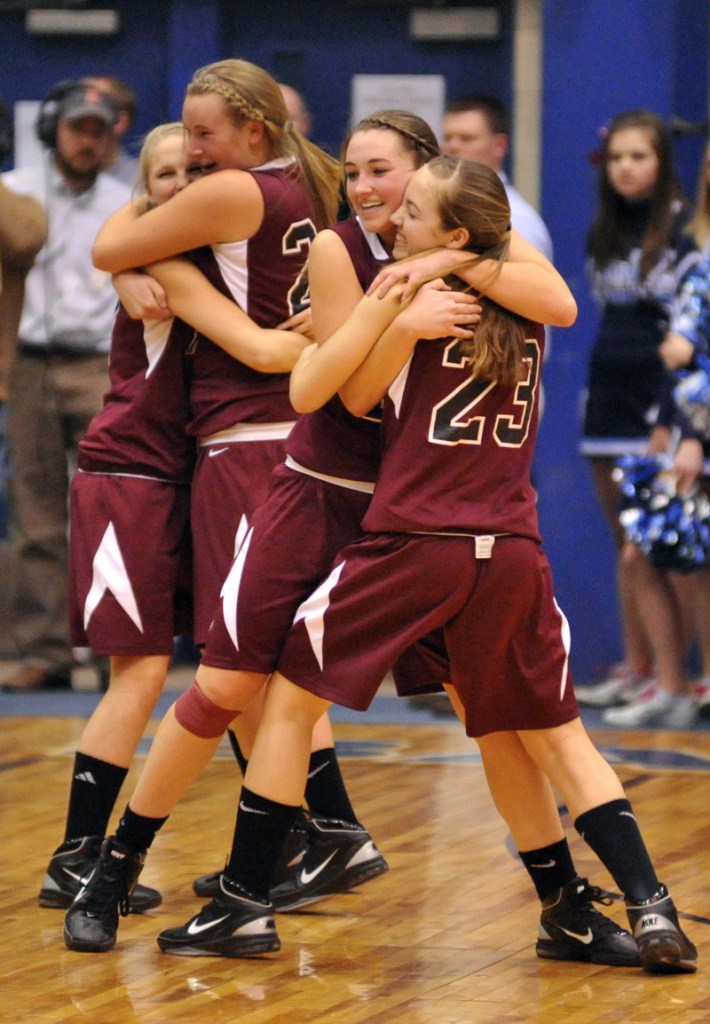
x: 424, y: 95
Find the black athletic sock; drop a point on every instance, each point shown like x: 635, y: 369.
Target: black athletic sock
x: 261, y: 828
x: 136, y: 831
x: 326, y: 794
x: 613, y: 833
x: 95, y: 786
x: 237, y: 751
x: 550, y: 867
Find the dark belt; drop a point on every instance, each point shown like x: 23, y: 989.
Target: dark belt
x: 63, y: 351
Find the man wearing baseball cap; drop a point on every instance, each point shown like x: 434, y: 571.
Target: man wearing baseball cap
x: 85, y: 119
x: 59, y: 372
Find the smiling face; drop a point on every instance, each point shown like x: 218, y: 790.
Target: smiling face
x: 167, y: 173
x: 214, y: 141
x: 377, y: 170
x: 418, y: 222
x: 632, y: 163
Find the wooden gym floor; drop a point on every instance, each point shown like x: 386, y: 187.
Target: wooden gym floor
x: 445, y: 937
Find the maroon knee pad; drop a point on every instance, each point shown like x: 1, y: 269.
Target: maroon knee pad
x: 201, y: 716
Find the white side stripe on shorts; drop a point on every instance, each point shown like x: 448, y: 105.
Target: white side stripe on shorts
x: 566, y: 634
x: 313, y: 610
x: 230, y: 590
x: 109, y: 573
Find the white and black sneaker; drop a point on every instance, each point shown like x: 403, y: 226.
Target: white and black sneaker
x: 663, y: 946
x: 233, y: 924
x: 621, y: 686
x: 340, y: 856
x: 70, y: 868
x: 572, y: 929
x: 293, y: 851
x: 91, y: 923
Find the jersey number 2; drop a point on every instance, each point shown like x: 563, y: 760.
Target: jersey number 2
x: 298, y: 237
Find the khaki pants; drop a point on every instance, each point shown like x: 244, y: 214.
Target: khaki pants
x: 52, y: 401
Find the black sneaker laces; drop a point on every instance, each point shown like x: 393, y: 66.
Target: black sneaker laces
x: 106, y: 887
x: 587, y: 893
x: 584, y: 896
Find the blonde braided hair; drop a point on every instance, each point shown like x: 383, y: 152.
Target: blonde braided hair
x: 251, y: 94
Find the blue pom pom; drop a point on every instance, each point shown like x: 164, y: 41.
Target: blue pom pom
x: 672, y: 530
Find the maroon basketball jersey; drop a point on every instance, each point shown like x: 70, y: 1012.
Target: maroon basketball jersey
x: 265, y: 276
x: 457, y: 451
x: 331, y: 440
x: 141, y: 427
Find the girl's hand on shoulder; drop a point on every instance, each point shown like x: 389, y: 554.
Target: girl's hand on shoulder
x: 436, y: 311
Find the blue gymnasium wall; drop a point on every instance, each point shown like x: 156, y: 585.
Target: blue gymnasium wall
x: 599, y: 58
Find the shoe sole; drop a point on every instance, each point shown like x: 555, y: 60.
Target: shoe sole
x: 51, y: 899
x: 556, y: 952
x: 350, y: 880
x: 238, y: 948
x: 665, y: 957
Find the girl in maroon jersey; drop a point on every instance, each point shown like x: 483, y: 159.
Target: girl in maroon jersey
x: 452, y: 541
x: 263, y: 192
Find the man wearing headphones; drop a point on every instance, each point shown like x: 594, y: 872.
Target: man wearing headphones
x: 119, y: 161
x: 59, y: 373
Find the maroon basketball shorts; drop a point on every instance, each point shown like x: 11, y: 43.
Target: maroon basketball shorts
x: 129, y: 564
x: 230, y: 482
x: 289, y: 548
x: 507, y: 640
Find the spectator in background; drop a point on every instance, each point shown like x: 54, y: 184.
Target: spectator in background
x: 476, y: 127
x: 59, y: 373
x: 119, y: 162
x: 638, y: 250
x: 686, y: 599
x: 298, y: 113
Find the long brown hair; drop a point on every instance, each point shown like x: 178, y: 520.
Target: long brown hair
x: 251, y: 94
x: 613, y: 233
x: 472, y: 196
